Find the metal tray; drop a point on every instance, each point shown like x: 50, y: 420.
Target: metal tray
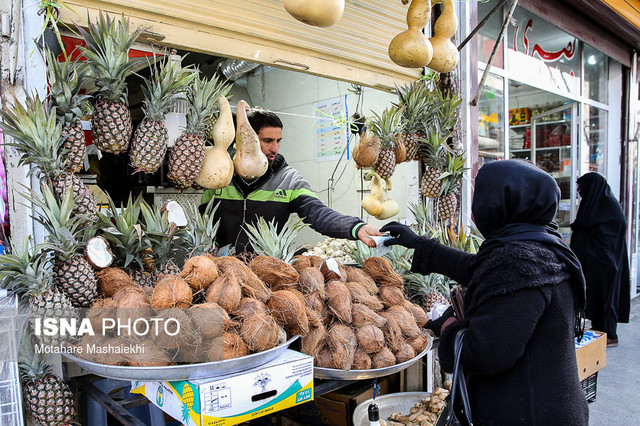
x: 204, y: 370
x: 335, y: 374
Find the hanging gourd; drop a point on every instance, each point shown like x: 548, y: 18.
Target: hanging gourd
x: 249, y: 161
x: 389, y: 207
x: 217, y: 168
x: 411, y: 48
x: 371, y: 203
x: 445, y: 53
x: 319, y: 13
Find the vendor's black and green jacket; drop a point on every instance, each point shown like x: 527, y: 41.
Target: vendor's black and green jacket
x: 277, y: 194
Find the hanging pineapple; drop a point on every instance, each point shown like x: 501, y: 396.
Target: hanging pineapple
x: 187, y: 154
x: 385, y: 127
x: 107, y: 52
x: 65, y: 80
x: 434, y: 148
x: 416, y: 104
x: 149, y: 143
x: 451, y: 180
x: 37, y: 137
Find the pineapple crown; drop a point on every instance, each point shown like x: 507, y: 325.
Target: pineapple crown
x: 107, y: 52
x: 434, y: 146
x: 453, y: 172
x: 416, y: 101
x: 164, y: 84
x: 266, y: 240
x: 36, y: 133
x: 165, y: 239
x: 31, y: 364
x: 25, y: 272
x: 385, y: 126
x: 66, y: 78
x: 447, y: 112
x: 201, y: 231
x: 202, y: 97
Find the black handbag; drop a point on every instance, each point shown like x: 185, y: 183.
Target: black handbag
x: 457, y: 410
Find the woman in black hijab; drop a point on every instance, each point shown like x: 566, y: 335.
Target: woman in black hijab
x: 599, y: 241
x: 523, y: 304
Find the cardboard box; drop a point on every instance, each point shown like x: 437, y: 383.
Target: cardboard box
x: 591, y: 353
x: 229, y: 400
x: 519, y: 116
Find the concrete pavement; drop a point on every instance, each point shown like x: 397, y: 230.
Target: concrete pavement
x: 618, y: 387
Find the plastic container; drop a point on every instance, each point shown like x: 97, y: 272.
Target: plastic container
x: 387, y: 405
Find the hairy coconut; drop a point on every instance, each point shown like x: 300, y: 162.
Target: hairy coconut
x: 363, y: 315
x: 400, y: 150
x: 225, y: 291
x: 282, y: 336
x: 175, y: 329
x: 339, y: 300
x: 103, y: 351
x: 359, y: 294
x: 314, y: 301
x: 358, y: 275
x: 199, y: 272
x: 384, y: 358
x: 405, y: 320
x: 314, y: 340
x: 196, y: 352
x: 418, y: 313
x: 299, y: 262
x: 110, y: 280
x: 333, y: 270
x: 381, y: 271
x: 405, y: 353
x: 392, y: 331
x: 419, y: 343
x: 172, y: 292
x: 343, y: 343
x: 391, y: 296
x: 209, y: 320
x: 324, y: 358
x: 311, y: 280
x: 316, y: 261
x: 233, y: 347
x: 98, y: 253
x: 370, y: 338
x: 273, y: 271
x: 361, y: 360
x: 366, y: 153
x: 326, y: 316
x: 251, y: 285
x: 132, y: 303
x: 249, y: 306
x: 100, y: 310
x: 132, y: 294
x: 151, y: 356
x: 289, y: 311
x: 85, y: 344
x: 315, y: 320
x: 260, y: 332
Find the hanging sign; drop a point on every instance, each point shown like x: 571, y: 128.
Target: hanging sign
x: 330, y: 128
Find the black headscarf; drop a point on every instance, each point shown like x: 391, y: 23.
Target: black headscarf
x: 514, y: 200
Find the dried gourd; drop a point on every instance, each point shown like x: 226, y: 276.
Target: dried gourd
x: 445, y: 54
x: 217, y: 168
x: 411, y: 48
x: 319, y: 13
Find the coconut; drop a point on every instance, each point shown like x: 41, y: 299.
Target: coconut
x: 250, y: 284
x: 273, y: 271
x: 366, y: 153
x: 199, y: 272
x: 300, y: 262
x: 419, y: 343
x: 103, y: 351
x: 132, y: 303
x: 360, y: 294
x: 405, y: 321
x: 249, y: 306
x: 400, y: 150
x: 326, y: 316
x: 381, y: 271
x: 171, y: 292
x: 100, y: 310
x: 233, y: 347
x: 315, y: 320
x: 316, y: 261
x: 333, y: 270
x: 358, y: 275
x: 85, y: 345
x: 418, y: 313
x: 391, y: 296
x: 282, y: 336
x: 225, y: 291
x: 110, y: 280
x: 98, y: 253
x: 175, y: 213
x: 324, y: 358
x: 314, y: 301
x: 175, y: 329
x: 289, y: 311
x: 314, y: 340
x: 363, y: 315
x: 405, y: 353
x: 361, y: 360
x: 343, y: 343
x: 339, y: 300
x: 260, y: 332
x: 392, y: 332
x: 190, y: 353
x: 151, y: 355
x: 384, y: 358
x: 209, y: 320
x: 311, y: 280
x: 370, y: 338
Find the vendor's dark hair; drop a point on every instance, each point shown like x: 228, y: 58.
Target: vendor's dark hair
x: 259, y: 118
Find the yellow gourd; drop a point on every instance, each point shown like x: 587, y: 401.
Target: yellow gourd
x: 389, y: 207
x: 319, y: 13
x: 249, y: 161
x: 371, y: 203
x: 217, y: 169
x: 445, y: 54
x: 411, y: 48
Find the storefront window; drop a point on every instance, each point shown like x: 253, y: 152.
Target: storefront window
x: 488, y: 35
x: 596, y: 74
x: 491, y: 120
x: 593, y: 149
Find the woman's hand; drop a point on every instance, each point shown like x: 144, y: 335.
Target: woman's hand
x: 402, y: 235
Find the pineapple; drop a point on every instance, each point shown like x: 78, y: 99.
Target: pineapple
x: 67, y: 234
x: 266, y: 240
x: 200, y: 234
x: 107, y: 52
x: 385, y: 127
x: 66, y: 79
x: 451, y: 180
x: 414, y: 103
x: 187, y: 155
x: 37, y: 137
x: 46, y: 395
x: 434, y: 297
x: 149, y: 143
x: 434, y: 148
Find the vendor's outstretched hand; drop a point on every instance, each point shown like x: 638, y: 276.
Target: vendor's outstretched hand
x: 365, y: 232
x: 402, y: 235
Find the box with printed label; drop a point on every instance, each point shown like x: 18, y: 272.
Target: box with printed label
x: 591, y: 353
x: 519, y: 116
x: 229, y: 400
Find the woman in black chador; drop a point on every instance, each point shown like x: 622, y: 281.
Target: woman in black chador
x: 599, y: 241
x: 523, y: 304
